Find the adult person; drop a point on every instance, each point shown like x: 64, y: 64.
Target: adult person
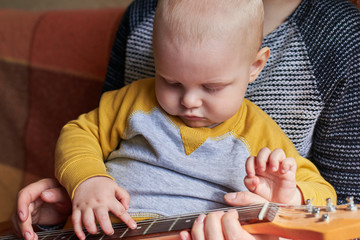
x: 310, y: 85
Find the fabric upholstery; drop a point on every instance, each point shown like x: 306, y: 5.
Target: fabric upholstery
x: 52, y: 67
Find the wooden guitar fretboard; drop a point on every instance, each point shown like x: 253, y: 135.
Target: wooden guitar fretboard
x: 247, y: 215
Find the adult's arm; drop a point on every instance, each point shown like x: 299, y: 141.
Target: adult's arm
x: 335, y: 54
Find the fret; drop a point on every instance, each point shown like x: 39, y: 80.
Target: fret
x: 139, y: 230
x: 249, y: 216
x: 65, y: 236
x: 173, y: 224
x: 147, y: 229
x: 99, y: 235
x: 161, y: 225
x: 184, y: 223
x: 280, y: 220
x: 57, y: 235
x: 120, y: 231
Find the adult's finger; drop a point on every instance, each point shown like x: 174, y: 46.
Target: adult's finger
x: 213, y: 227
x: 243, y: 198
x: 56, y: 195
x: 232, y: 228
x: 31, y: 193
x: 23, y: 229
x: 197, y: 231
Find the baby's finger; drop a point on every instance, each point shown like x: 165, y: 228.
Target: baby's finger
x: 103, y: 218
x: 262, y: 159
x: 275, y: 158
x: 250, y: 166
x: 123, y: 196
x: 76, y: 220
x: 251, y: 182
x: 88, y: 220
x: 288, y: 164
x: 120, y: 212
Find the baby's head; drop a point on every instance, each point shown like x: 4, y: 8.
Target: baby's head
x: 206, y: 53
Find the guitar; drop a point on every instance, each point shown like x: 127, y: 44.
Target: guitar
x: 295, y: 222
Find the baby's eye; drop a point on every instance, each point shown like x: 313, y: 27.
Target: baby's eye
x: 173, y: 84
x: 212, y: 89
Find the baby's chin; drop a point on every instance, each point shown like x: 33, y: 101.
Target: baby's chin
x: 199, y: 123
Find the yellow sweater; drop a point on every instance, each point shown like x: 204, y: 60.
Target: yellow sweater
x: 129, y: 132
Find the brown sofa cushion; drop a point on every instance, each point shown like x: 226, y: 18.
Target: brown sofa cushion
x: 52, y: 67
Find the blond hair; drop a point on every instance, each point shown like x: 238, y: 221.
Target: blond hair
x: 203, y: 19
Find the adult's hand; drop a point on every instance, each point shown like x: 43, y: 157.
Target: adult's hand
x: 217, y: 226
x: 44, y: 202
x: 221, y: 225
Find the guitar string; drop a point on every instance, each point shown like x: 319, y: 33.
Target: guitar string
x: 192, y: 215
x: 281, y: 208
x: 122, y: 226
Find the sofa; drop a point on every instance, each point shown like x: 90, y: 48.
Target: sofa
x: 52, y: 67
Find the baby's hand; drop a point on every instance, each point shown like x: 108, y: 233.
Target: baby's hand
x: 272, y: 176
x: 94, y: 199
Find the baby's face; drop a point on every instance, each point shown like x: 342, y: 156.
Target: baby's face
x: 201, y: 84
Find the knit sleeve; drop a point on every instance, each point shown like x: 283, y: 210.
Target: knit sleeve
x: 114, y: 78
x: 335, y: 55
x: 138, y: 15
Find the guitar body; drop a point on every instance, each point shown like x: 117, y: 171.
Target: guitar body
x: 298, y: 223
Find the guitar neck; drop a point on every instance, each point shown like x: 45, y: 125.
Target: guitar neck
x: 295, y: 222
x: 252, y: 214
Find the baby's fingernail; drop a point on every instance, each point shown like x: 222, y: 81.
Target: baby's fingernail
x: 200, y: 218
x: 133, y: 225
x: 230, y: 196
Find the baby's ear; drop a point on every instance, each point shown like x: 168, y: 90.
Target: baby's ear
x: 259, y: 63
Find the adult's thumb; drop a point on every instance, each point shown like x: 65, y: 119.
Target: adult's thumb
x: 243, y: 198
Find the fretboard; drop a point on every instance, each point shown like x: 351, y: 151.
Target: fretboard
x: 247, y: 215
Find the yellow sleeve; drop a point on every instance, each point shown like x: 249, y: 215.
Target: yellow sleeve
x: 85, y: 143
x: 312, y: 185
x: 261, y: 131
x: 81, y: 149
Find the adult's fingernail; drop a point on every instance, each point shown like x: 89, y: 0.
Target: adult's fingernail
x: 21, y: 215
x: 47, y: 194
x: 27, y: 235
x: 230, y: 196
x: 200, y: 218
